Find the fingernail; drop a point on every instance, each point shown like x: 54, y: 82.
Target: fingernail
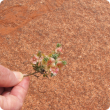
x: 18, y: 75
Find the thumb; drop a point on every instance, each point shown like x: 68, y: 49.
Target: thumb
x: 9, y: 78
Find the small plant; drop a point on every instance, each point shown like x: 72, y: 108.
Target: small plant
x: 47, y: 64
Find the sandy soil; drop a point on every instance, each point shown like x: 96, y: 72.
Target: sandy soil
x: 82, y: 27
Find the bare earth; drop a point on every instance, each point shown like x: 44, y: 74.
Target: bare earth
x: 82, y: 27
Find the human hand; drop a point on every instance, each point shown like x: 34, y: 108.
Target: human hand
x: 13, y: 89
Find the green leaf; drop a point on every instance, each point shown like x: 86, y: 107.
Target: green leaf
x: 52, y: 74
x: 64, y: 62
x: 39, y: 53
x: 58, y: 45
x: 45, y: 75
x: 55, y: 56
x: 46, y: 59
x: 56, y: 62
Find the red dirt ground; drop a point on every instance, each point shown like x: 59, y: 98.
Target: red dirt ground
x: 82, y: 27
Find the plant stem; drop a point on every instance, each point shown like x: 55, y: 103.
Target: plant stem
x: 30, y: 74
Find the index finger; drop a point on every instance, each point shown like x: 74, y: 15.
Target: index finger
x: 9, y: 78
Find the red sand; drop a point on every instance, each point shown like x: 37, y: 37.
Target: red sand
x: 82, y: 27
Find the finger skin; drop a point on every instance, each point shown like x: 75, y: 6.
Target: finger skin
x: 21, y: 89
x: 15, y: 99
x: 7, y: 77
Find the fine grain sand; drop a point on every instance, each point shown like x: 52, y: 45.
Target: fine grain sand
x: 82, y: 27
